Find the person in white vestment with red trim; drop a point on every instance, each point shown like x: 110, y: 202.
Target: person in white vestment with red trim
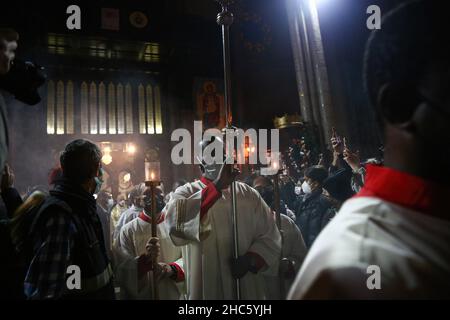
x: 392, y: 239
x: 198, y: 217
x: 135, y: 250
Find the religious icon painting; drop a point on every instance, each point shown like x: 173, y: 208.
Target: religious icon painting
x: 209, y: 102
x: 110, y: 19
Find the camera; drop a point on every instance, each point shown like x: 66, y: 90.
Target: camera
x: 23, y: 80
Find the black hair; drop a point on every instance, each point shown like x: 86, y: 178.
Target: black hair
x: 80, y: 160
x: 178, y: 183
x: 9, y: 34
x: 317, y: 173
x: 264, y: 178
x: 134, y: 197
x: 411, y: 36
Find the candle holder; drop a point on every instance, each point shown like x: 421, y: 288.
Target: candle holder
x: 152, y: 180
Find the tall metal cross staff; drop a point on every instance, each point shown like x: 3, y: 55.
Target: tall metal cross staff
x: 276, y: 191
x: 225, y: 19
x: 153, y: 277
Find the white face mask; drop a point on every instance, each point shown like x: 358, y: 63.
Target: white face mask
x: 110, y: 203
x: 306, y: 188
x: 298, y: 190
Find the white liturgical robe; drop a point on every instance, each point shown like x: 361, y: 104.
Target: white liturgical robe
x: 378, y: 249
x: 130, y: 245
x: 294, y: 249
x: 207, y: 235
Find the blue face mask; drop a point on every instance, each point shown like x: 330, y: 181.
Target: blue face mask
x: 98, y: 185
x: 98, y: 182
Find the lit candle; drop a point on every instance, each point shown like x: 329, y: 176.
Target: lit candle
x: 152, y: 171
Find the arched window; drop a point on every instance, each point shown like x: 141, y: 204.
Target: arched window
x: 158, y: 121
x: 102, y: 108
x: 84, y: 109
x: 69, y: 108
x: 51, y: 107
x: 60, y: 108
x: 120, y: 110
x: 128, y: 109
x: 112, y: 108
x: 93, y: 108
x: 149, y: 102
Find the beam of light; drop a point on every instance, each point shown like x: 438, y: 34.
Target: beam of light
x: 319, y: 2
x: 315, y: 4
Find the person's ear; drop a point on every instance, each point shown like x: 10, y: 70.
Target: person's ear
x: 397, y: 105
x: 314, y: 184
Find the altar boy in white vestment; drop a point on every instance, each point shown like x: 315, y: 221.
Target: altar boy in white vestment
x: 134, y: 250
x: 293, y: 246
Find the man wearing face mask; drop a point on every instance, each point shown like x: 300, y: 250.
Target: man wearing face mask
x: 135, y: 248
x: 135, y: 198
x: 313, y: 210
x: 66, y: 231
x: 198, y: 217
x: 265, y: 188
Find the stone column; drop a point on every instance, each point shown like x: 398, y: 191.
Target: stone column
x: 310, y: 66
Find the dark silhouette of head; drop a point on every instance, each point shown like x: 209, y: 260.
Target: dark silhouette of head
x: 407, y: 78
x: 80, y: 163
x: 264, y: 186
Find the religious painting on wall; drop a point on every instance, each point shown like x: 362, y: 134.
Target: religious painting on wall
x: 209, y: 102
x: 110, y: 19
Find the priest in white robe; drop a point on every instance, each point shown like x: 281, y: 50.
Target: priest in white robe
x: 199, y: 217
x: 134, y: 259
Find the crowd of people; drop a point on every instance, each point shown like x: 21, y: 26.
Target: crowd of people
x: 79, y: 223
x: 315, y: 238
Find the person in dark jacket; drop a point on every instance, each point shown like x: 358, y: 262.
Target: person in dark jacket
x: 313, y: 209
x: 10, y: 196
x: 66, y: 233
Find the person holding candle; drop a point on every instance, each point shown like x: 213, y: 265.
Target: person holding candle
x: 136, y: 249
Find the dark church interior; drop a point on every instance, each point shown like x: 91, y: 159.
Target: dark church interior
x: 346, y: 200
